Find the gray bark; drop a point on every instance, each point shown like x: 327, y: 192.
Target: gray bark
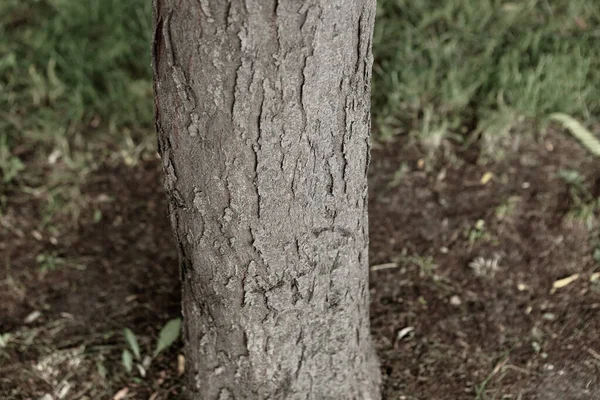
x: 263, y: 120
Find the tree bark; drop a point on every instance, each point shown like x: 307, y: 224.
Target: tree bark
x: 263, y: 121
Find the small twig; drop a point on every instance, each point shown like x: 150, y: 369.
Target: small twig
x: 593, y: 353
x: 381, y: 267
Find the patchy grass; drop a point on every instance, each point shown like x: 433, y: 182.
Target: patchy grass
x: 497, y: 281
x: 74, y: 83
x: 446, y: 68
x: 67, y: 63
x: 584, y: 205
x: 75, y: 92
x: 74, y: 72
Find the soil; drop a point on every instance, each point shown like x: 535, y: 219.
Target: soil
x: 464, y: 257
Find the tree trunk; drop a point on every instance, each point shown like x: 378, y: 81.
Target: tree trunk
x: 263, y: 120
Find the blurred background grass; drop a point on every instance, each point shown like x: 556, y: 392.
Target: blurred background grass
x: 75, y: 78
x: 465, y: 62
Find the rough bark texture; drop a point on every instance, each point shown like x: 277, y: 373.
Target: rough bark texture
x: 263, y: 120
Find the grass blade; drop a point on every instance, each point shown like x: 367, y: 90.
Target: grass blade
x: 127, y: 360
x: 587, y: 138
x: 132, y: 342
x: 168, y: 334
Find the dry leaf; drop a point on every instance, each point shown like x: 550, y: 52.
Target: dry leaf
x: 595, y: 277
x: 455, y: 301
x: 486, y: 178
x: 32, y: 317
x: 180, y: 364
x: 404, y: 332
x: 561, y: 283
x: 54, y: 156
x: 121, y: 394
x: 522, y: 287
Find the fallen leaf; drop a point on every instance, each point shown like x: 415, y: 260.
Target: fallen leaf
x: 549, y: 316
x: 146, y: 362
x: 561, y: 283
x: 64, y: 390
x: 32, y: 317
x: 404, y: 332
x: 486, y: 178
x: 54, y: 156
x: 595, y: 277
x: 131, y: 298
x: 455, y: 301
x: 168, y: 334
x: 180, y: 364
x: 121, y: 394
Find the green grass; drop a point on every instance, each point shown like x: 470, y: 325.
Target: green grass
x: 75, y: 73
x: 75, y: 91
x: 451, y: 66
x: 71, y: 71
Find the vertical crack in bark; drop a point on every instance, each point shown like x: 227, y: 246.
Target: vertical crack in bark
x: 258, y: 150
x: 236, y: 88
x: 303, y: 78
x: 184, y: 91
x: 359, y: 42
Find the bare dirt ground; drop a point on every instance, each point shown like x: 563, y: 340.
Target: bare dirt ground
x: 468, y: 296
x: 476, y: 268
